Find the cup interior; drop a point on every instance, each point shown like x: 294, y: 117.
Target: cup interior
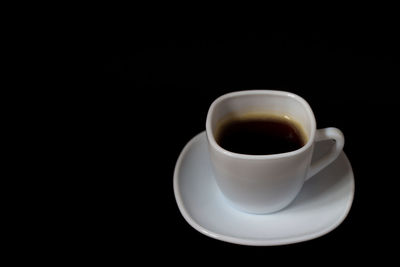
x: 262, y: 101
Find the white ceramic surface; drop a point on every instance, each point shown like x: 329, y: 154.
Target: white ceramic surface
x: 267, y: 183
x: 321, y: 206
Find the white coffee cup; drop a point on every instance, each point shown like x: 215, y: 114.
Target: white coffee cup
x: 267, y: 183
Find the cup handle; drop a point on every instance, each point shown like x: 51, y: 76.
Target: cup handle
x: 327, y: 134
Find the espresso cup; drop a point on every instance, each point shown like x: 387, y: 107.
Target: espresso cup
x: 266, y: 183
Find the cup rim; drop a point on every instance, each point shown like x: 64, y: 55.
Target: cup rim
x: 298, y: 98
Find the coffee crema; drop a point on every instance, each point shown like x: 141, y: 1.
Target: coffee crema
x: 260, y: 134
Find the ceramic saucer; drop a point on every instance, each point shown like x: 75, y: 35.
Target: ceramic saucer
x: 320, y: 207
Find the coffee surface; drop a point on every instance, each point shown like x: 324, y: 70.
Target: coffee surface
x: 260, y: 135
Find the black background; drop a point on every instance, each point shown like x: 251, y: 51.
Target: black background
x: 150, y: 96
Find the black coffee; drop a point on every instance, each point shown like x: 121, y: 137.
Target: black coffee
x: 260, y: 135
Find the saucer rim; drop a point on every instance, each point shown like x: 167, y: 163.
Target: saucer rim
x: 245, y: 241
